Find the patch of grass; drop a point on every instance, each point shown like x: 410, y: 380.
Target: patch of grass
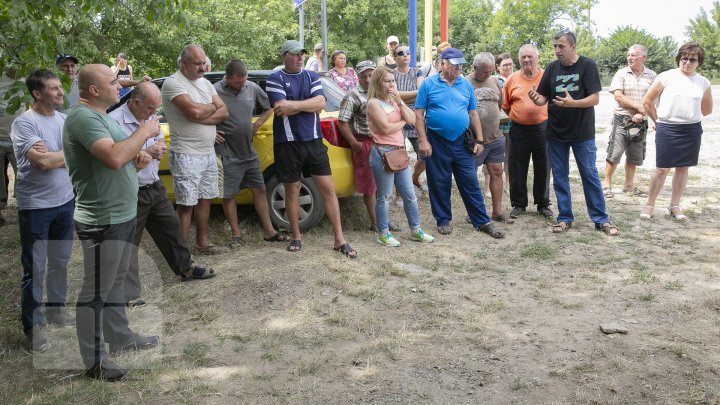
x: 518, y: 384
x: 196, y: 353
x: 647, y: 297
x: 540, y: 251
x: 643, y: 277
x: 673, y: 285
x: 713, y: 302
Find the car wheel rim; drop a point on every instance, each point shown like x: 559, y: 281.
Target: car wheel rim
x: 277, y: 202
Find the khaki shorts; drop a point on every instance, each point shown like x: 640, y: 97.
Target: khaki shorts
x: 620, y: 142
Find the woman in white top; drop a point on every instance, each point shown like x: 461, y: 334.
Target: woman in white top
x: 677, y: 101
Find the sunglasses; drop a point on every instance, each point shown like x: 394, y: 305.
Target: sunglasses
x: 567, y: 32
x: 402, y: 53
x: 685, y: 59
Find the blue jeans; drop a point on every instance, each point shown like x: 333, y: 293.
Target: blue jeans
x: 403, y: 184
x: 448, y: 159
x: 46, y: 243
x: 585, y: 153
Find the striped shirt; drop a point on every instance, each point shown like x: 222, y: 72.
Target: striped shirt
x: 408, y: 82
x: 353, y: 110
x: 303, y: 85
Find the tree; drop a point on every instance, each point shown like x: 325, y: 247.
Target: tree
x: 706, y: 31
x: 611, y: 53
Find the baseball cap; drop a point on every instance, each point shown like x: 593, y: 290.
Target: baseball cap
x: 454, y: 56
x: 318, y: 47
x: 293, y: 47
x: 393, y: 38
x: 365, y: 65
x: 62, y: 58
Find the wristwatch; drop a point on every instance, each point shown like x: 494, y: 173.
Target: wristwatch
x: 478, y: 142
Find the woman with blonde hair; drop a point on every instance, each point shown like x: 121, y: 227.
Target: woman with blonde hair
x: 387, y: 115
x: 677, y: 101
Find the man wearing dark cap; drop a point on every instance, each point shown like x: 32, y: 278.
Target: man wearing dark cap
x: 68, y: 65
x: 444, y: 109
x: 315, y: 61
x: 297, y: 97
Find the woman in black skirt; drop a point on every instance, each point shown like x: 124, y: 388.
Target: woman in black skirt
x: 677, y: 101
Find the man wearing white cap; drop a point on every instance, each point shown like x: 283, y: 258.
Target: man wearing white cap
x: 445, y: 109
x: 389, y: 59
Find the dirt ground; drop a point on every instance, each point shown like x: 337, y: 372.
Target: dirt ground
x: 466, y: 319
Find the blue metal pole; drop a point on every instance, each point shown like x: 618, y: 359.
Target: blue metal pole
x: 412, y: 38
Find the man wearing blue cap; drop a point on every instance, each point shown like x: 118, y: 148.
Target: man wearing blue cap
x: 445, y: 109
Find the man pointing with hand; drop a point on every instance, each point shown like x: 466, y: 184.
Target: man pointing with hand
x: 572, y: 86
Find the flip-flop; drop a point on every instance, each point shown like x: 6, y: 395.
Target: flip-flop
x: 198, y: 273
x: 347, y: 250
x: 561, y: 227
x: 295, y: 246
x: 607, y: 192
x: 278, y: 237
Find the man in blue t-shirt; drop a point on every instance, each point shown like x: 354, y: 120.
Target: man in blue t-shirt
x: 297, y: 97
x: 572, y: 82
x: 444, y: 109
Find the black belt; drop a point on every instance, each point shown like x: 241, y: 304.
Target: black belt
x: 147, y: 186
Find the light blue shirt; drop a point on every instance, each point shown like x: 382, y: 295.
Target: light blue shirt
x: 446, y: 107
x: 129, y: 124
x: 39, y: 188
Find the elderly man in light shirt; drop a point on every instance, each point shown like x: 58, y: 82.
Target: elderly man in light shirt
x: 154, y: 211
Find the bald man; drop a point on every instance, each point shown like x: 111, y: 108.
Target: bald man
x: 193, y: 108
x: 154, y: 211
x: 102, y: 161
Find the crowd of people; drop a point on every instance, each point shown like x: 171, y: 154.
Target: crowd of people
x: 83, y: 171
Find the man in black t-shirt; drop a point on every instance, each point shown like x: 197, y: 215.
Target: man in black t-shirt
x: 572, y: 84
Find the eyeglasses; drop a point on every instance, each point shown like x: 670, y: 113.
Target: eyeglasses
x: 567, y: 32
x: 685, y: 59
x: 402, y: 53
x: 506, y: 65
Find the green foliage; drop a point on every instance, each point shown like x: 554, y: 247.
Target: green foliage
x: 611, y: 53
x: 706, y: 30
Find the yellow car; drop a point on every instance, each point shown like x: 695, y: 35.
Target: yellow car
x: 311, y: 203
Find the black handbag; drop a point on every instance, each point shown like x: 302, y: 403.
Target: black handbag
x: 469, y: 141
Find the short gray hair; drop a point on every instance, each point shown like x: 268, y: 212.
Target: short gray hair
x: 484, y: 58
x: 640, y: 48
x: 529, y: 47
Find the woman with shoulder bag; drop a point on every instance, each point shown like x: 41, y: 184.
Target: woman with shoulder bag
x: 387, y: 115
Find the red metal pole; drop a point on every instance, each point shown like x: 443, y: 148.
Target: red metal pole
x: 443, y: 20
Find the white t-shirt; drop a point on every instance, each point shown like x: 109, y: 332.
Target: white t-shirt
x: 39, y: 188
x: 187, y: 136
x: 680, y: 100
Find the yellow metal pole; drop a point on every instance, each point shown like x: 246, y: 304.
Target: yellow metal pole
x: 428, y: 30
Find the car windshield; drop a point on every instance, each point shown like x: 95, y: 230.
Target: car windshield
x: 333, y: 94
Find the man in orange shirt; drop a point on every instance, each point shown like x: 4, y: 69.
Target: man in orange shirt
x: 528, y: 136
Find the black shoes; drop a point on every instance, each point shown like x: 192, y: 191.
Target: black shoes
x: 516, y: 212
x: 545, y: 211
x: 136, y: 343
x: 36, y: 339
x: 59, y: 317
x: 106, y: 370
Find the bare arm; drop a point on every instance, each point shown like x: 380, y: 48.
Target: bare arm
x: 706, y: 105
x: 477, y: 130
x: 131, y: 82
x: 195, y: 112
x: 348, y: 136
x: 286, y: 108
x: 116, y: 155
x: 378, y: 117
x: 425, y: 147
x: 220, y: 115
x: 625, y: 102
x: 45, y: 160
x: 650, y: 99
x: 261, y: 120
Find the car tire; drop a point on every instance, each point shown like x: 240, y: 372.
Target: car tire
x: 312, y: 208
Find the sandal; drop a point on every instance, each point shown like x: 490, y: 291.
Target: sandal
x: 608, y: 228
x: 491, y: 230
x: 295, y: 245
x: 561, y: 227
x: 209, y: 250
x: 235, y: 242
x: 198, y: 273
x: 347, y: 250
x: 504, y: 219
x: 644, y: 214
x: 607, y: 192
x: 278, y: 237
x: 679, y: 216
